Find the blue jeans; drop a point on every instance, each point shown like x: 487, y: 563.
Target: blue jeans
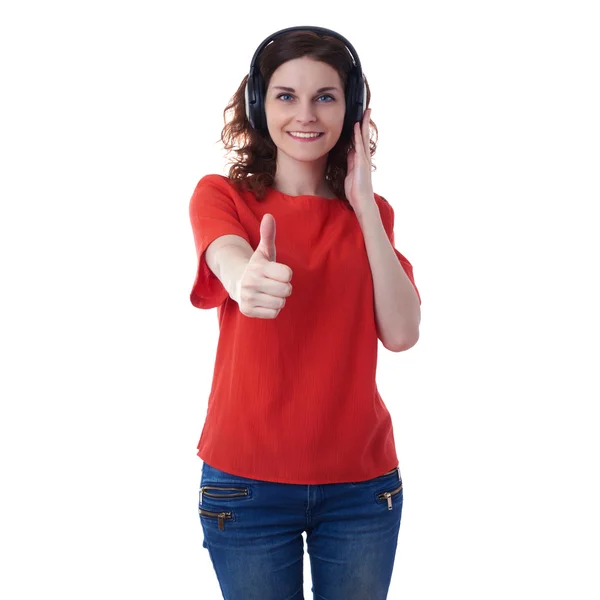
x: 253, y: 533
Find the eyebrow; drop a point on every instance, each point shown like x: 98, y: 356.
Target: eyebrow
x: 289, y: 89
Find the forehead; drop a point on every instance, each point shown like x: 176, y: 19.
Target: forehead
x: 305, y: 73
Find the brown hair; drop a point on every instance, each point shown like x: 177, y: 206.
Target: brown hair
x: 255, y: 164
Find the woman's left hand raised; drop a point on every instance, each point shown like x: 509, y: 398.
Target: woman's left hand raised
x: 358, y: 185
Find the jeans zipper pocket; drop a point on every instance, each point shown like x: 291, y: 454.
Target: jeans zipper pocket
x: 221, y: 516
x: 388, y: 496
x: 234, y: 492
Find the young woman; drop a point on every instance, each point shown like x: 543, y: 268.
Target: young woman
x: 296, y: 437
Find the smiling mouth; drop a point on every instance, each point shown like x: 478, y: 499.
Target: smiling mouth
x: 306, y: 137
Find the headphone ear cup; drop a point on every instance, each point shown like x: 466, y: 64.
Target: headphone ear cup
x: 363, y: 99
x: 255, y: 108
x: 247, y: 102
x: 356, y: 90
x: 251, y: 101
x: 260, y: 115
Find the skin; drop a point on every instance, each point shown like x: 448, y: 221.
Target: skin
x: 301, y: 166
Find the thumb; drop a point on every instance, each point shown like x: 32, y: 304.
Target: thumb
x: 267, y: 237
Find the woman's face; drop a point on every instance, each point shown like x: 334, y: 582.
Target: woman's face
x: 313, y: 102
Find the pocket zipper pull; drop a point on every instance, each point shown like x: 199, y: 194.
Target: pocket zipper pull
x: 389, y: 500
x: 201, y: 492
x: 221, y: 520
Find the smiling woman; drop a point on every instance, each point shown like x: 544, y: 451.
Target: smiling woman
x: 297, y: 437
x: 305, y: 76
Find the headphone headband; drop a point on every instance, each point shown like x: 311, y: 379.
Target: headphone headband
x: 321, y: 30
x: 355, y: 93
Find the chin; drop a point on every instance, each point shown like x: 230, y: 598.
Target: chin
x: 305, y: 156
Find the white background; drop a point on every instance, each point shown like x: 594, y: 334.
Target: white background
x: 489, y: 153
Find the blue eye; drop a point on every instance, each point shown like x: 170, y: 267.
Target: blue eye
x: 323, y: 96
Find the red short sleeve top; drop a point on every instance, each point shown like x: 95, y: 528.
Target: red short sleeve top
x: 294, y: 399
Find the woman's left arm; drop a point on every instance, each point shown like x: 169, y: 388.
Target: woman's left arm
x: 397, y: 307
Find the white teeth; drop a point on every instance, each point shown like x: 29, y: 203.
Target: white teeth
x: 305, y: 135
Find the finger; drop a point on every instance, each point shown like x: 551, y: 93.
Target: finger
x: 357, y: 135
x: 367, y: 130
x: 267, y: 235
x: 358, y: 142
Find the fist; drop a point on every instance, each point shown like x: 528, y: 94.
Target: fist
x: 264, y: 284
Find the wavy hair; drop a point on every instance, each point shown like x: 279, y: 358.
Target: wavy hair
x: 253, y: 165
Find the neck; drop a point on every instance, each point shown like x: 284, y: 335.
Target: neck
x: 301, y: 178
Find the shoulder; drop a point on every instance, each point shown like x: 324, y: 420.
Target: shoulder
x: 213, y: 192
x: 221, y: 183
x: 213, y: 179
x: 382, y: 202
x: 213, y: 183
x: 385, y: 208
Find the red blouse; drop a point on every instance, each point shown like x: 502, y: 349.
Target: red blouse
x: 294, y: 399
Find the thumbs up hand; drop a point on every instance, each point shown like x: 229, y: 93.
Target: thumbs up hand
x: 264, y: 284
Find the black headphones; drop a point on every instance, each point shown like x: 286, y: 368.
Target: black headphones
x: 356, y: 88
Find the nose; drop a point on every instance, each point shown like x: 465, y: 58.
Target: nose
x: 306, y: 113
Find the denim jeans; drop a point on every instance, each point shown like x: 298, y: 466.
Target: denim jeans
x: 253, y: 533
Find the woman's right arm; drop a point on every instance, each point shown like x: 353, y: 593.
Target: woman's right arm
x: 227, y: 257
